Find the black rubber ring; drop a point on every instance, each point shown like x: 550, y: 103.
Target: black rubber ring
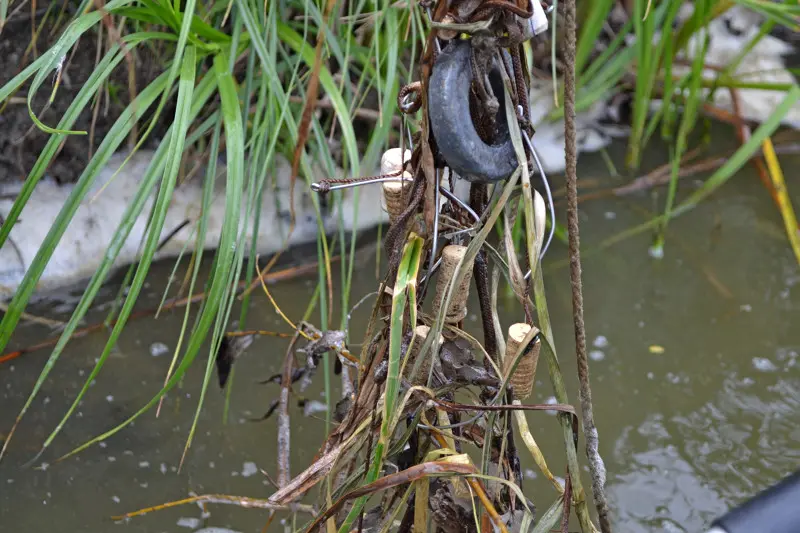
x: 451, y: 123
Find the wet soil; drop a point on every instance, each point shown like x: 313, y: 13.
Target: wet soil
x: 21, y: 141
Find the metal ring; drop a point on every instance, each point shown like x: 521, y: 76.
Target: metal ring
x: 408, y: 99
x: 451, y: 122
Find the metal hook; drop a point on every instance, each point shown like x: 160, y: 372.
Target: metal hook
x: 408, y: 98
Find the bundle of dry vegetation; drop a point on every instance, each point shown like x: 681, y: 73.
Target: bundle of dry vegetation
x: 431, y: 427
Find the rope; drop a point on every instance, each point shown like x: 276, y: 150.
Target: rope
x: 596, y: 466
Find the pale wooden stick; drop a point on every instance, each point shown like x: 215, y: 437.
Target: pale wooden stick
x: 523, y: 376
x: 395, y: 193
x: 457, y: 310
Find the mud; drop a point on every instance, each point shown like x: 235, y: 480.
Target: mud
x: 20, y: 140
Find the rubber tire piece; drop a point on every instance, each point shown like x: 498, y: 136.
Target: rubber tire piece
x: 775, y: 510
x: 451, y: 123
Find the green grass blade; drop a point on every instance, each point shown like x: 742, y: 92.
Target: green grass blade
x: 197, y: 258
x: 688, y: 120
x: 164, y: 14
x: 173, y: 157
x: 406, y: 278
x: 177, y: 62
x: 116, y: 136
x: 56, y: 56
x: 296, y: 43
x: 98, y: 76
x: 648, y: 62
x: 28, y: 284
x: 233, y: 133
x: 743, y: 154
x: 723, y: 174
x: 224, y: 257
x: 391, y: 88
x: 784, y: 14
x: 551, y: 518
x: 593, y: 22
x: 17, y: 81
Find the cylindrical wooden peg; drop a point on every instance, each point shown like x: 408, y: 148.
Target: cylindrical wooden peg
x: 395, y: 193
x: 457, y: 310
x: 523, y: 376
x: 425, y: 366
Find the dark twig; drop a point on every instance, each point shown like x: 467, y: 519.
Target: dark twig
x: 481, y: 275
x: 596, y: 465
x: 567, y: 502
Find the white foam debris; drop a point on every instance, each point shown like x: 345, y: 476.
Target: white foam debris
x: 158, y: 348
x: 551, y: 401
x: 763, y: 364
x: 109, y: 398
x: 163, y: 468
x: 188, y: 522
x: 314, y: 407
x: 656, y: 252
x: 249, y: 468
x: 115, y: 499
x: 597, y: 355
x: 600, y: 342
x: 144, y: 464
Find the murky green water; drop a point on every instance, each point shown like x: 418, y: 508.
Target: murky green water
x: 685, y: 433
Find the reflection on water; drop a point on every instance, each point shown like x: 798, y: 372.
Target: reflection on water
x: 688, y: 468
x: 694, y: 368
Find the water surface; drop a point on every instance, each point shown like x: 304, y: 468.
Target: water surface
x: 694, y: 371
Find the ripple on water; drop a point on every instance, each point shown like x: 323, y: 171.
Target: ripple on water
x: 692, y: 467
